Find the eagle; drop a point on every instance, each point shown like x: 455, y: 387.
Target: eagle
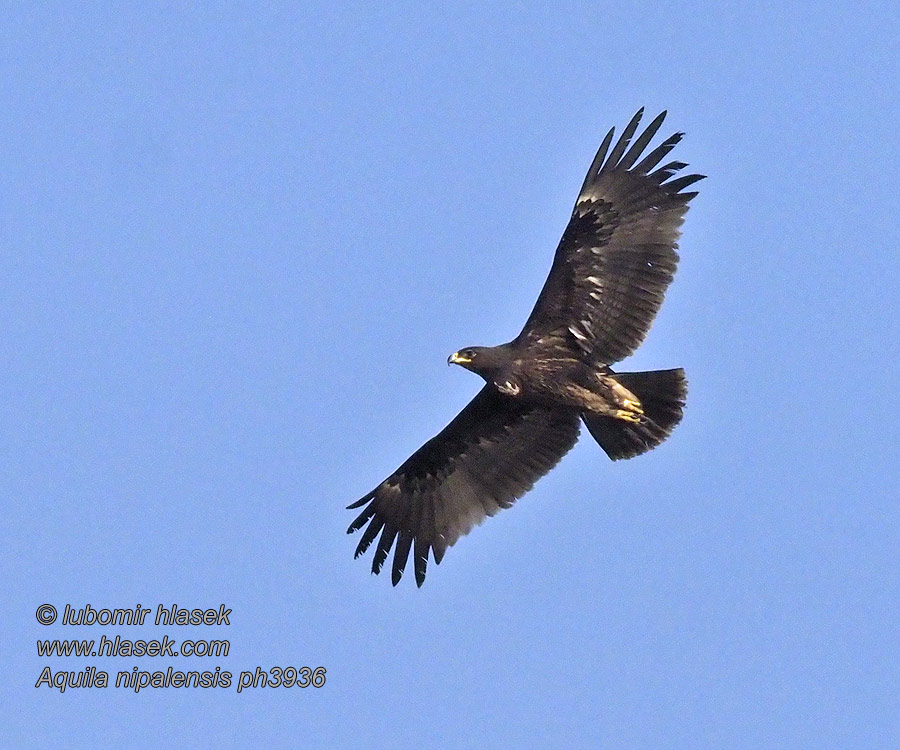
x: 609, y: 275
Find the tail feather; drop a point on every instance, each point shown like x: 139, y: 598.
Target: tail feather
x: 662, y: 395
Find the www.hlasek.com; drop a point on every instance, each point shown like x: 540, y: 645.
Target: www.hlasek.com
x: 137, y: 679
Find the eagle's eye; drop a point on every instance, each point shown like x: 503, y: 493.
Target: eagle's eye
x: 469, y: 354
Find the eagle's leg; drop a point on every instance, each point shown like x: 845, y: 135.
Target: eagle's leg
x: 627, y: 406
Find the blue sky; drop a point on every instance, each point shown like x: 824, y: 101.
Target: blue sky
x: 238, y: 245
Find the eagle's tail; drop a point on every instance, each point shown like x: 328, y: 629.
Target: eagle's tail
x: 661, y: 394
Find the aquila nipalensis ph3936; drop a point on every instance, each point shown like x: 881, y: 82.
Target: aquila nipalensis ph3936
x: 614, y: 262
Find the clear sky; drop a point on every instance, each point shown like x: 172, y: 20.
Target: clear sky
x: 239, y: 242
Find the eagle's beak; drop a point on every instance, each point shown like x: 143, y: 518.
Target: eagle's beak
x: 457, y: 359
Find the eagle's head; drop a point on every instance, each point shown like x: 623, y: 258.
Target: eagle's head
x: 483, y: 360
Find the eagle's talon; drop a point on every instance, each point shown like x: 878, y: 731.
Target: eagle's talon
x: 633, y: 406
x: 628, y: 416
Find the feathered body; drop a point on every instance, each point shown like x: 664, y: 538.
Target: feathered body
x: 557, y: 379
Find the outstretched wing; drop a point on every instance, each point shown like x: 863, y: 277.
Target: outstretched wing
x: 491, y: 454
x: 617, y: 255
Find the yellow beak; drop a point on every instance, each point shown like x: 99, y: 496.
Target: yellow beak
x: 457, y: 359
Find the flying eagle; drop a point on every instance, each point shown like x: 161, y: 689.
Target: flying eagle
x: 609, y: 275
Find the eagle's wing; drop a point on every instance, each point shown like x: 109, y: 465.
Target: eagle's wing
x: 617, y: 255
x: 491, y: 454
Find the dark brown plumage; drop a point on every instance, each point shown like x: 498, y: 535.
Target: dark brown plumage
x: 614, y: 262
